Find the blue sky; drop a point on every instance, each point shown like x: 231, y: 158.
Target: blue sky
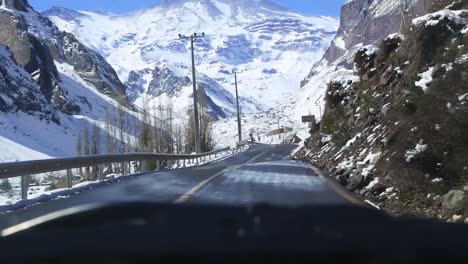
x: 314, y: 7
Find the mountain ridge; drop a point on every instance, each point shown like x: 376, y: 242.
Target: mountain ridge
x: 270, y: 50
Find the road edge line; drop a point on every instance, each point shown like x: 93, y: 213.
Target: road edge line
x: 350, y: 197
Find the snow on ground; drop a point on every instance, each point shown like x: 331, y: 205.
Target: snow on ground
x: 426, y: 79
x: 40, y: 193
x: 433, y: 19
x: 412, y: 153
x: 225, y: 131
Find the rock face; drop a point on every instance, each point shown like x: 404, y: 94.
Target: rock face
x: 403, y: 118
x: 20, y: 5
x: 454, y: 201
x: 18, y: 91
x: 36, y: 45
x: 28, y: 51
x: 136, y: 85
x: 92, y: 67
x: 165, y: 81
x: 363, y: 23
x: 368, y: 22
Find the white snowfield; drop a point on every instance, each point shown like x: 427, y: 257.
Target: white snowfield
x: 274, y: 46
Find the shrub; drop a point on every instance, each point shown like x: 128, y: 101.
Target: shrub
x: 336, y: 125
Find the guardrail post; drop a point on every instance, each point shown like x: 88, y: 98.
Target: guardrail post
x: 69, y: 179
x: 24, y: 187
x: 101, y: 173
x: 158, y: 165
x: 144, y: 166
x: 183, y: 163
x: 125, y: 168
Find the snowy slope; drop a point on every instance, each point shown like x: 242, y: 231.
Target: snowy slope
x: 273, y: 45
x: 51, y: 87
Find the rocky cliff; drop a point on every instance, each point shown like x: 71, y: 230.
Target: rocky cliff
x: 18, y: 90
x: 396, y: 134
x: 363, y: 23
x: 52, y: 87
x: 37, y: 45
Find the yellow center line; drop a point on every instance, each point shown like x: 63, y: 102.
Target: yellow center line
x: 259, y: 155
x: 184, y: 198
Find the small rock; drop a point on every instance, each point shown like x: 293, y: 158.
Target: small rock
x: 342, y: 180
x: 385, y: 109
x: 466, y: 221
x: 362, y: 192
x: 359, y: 181
x: 378, y: 188
x: 457, y: 218
x: 375, y: 159
x: 453, y: 201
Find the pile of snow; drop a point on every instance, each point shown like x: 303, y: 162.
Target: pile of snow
x: 412, y: 153
x: 434, y: 18
x: 426, y: 79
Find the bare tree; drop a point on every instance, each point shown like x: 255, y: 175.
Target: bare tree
x: 5, y: 186
x: 206, y: 133
x: 146, y: 139
x: 86, y: 139
x: 79, y: 144
x: 121, y: 124
x: 179, y: 139
x: 96, y: 140
x: 108, y: 131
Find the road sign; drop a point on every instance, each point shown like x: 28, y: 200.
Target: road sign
x: 308, y: 119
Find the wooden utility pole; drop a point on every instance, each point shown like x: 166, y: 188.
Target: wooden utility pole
x: 195, y: 96
x: 239, y: 123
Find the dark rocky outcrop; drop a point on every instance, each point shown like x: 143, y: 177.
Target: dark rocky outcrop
x: 36, y: 44
x: 165, y: 81
x: 92, y: 67
x: 135, y: 84
x: 18, y: 91
x: 367, y: 22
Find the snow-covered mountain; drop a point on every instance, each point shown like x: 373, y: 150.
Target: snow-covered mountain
x: 51, y: 86
x: 274, y: 47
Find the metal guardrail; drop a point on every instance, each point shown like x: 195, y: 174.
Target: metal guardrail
x: 24, y: 169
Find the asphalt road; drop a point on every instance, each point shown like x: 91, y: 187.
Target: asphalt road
x: 263, y: 174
